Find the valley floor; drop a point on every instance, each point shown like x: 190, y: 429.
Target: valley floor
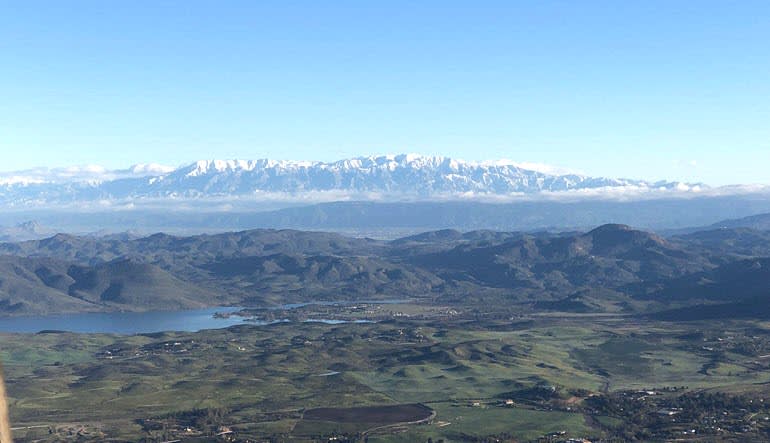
x: 407, y: 379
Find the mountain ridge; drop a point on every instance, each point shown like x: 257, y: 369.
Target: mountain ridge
x: 612, y: 268
x: 382, y: 177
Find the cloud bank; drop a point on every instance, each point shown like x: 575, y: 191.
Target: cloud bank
x: 81, y: 174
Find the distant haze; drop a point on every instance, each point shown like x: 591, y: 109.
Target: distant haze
x: 379, y: 196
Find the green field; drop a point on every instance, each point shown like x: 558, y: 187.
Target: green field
x: 259, y: 380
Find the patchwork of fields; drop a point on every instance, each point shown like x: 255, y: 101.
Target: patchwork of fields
x: 406, y: 380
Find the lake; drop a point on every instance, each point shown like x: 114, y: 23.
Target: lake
x: 158, y: 321
x: 142, y: 322
x: 124, y: 322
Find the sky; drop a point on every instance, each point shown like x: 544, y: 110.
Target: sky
x: 645, y: 89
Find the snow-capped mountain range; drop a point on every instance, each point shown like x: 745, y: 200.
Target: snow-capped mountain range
x: 386, y: 176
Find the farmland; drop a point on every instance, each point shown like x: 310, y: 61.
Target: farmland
x: 407, y: 379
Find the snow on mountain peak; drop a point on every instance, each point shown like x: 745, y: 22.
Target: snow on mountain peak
x: 385, y: 176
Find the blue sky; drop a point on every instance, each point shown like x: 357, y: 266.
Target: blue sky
x: 647, y: 89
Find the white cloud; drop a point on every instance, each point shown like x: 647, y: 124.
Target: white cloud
x: 80, y: 173
x: 271, y: 200
x: 145, y: 169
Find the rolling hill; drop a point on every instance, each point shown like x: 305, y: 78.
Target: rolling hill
x: 610, y: 268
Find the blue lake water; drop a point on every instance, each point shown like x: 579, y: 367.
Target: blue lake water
x: 124, y: 322
x: 156, y: 321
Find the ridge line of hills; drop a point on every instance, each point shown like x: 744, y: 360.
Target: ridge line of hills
x: 613, y: 268
x: 391, y: 219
